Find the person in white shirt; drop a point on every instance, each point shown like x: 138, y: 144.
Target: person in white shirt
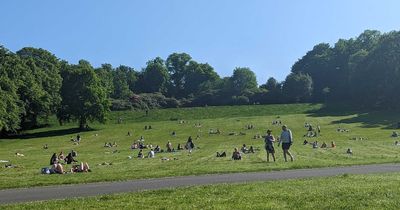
x: 287, y: 140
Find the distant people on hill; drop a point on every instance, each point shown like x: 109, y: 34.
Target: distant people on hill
x: 236, y: 154
x: 269, y: 145
x: 78, y: 138
x: 349, y: 151
x: 173, y: 133
x: 189, y: 144
x: 395, y: 134
x: 45, y: 146
x: 305, y: 142
x: 140, y: 154
x: 151, y: 154
x: 333, y: 145
x: 222, y: 154
x: 179, y: 147
x: 396, y: 143
x: 315, y: 145
x: 169, y: 147
x: 324, y: 145
x: 287, y: 140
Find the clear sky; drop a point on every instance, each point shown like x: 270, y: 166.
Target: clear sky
x: 266, y: 35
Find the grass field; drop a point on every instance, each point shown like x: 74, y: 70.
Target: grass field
x: 341, y: 192
x: 374, y: 127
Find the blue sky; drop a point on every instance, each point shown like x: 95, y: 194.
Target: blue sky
x: 267, y: 36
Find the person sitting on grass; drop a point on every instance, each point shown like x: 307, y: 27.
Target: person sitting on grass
x: 179, y: 147
x: 61, y: 156
x: 53, y: 159
x: 251, y: 149
x: 236, y: 154
x: 169, y: 147
x: 140, y: 154
x: 349, y: 151
x: 69, y: 159
x: 315, y: 145
x: 223, y: 154
x: 244, y: 149
x: 395, y: 134
x: 151, y: 154
x: 324, y: 145
x: 45, y: 146
x: 57, y: 169
x: 333, y: 145
x: 134, y: 145
x: 305, y: 142
x: 396, y: 143
x: 83, y: 167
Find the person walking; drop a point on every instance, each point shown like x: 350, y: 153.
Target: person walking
x: 269, y: 145
x: 287, y: 140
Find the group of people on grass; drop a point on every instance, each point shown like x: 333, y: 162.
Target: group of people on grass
x: 157, y: 149
x: 57, y: 163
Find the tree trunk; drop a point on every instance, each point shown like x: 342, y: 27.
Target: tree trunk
x: 82, y: 123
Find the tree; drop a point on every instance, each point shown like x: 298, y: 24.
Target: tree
x: 105, y: 74
x: 243, y: 79
x: 83, y: 97
x: 198, y: 74
x: 155, y: 77
x: 177, y: 67
x: 298, y: 87
x: 41, y: 94
x: 120, y: 81
x: 11, y: 106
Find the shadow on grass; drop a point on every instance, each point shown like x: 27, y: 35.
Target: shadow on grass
x: 368, y: 118
x: 50, y: 133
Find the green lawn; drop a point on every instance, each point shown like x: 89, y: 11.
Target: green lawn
x: 377, y: 148
x: 341, y: 192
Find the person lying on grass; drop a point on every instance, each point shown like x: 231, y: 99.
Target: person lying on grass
x: 57, y: 169
x: 83, y: 167
x: 222, y: 154
x: 236, y: 154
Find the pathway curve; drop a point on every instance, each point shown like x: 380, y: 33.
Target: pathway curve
x: 93, y: 189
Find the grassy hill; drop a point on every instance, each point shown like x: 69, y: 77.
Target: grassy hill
x: 376, y: 147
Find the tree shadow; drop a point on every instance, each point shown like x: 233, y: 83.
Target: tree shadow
x: 50, y: 133
x: 368, y: 118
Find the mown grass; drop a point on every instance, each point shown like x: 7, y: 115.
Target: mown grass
x: 377, y: 148
x: 341, y: 192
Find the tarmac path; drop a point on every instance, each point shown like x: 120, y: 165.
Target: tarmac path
x: 92, y: 189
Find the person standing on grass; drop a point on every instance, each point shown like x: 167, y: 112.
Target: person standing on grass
x: 286, y: 140
x: 269, y: 145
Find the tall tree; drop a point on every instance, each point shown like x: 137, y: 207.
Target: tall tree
x: 11, y: 107
x: 298, y: 87
x: 177, y: 67
x: 83, y: 97
x: 155, y: 76
x: 243, y: 79
x: 42, y: 93
x: 120, y: 81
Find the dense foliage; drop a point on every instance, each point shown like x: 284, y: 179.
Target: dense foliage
x: 34, y: 83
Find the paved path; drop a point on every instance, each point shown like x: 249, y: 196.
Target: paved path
x: 93, y: 189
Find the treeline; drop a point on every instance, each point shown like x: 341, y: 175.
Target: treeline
x: 35, y: 84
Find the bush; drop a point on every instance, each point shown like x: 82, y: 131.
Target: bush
x: 120, y: 105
